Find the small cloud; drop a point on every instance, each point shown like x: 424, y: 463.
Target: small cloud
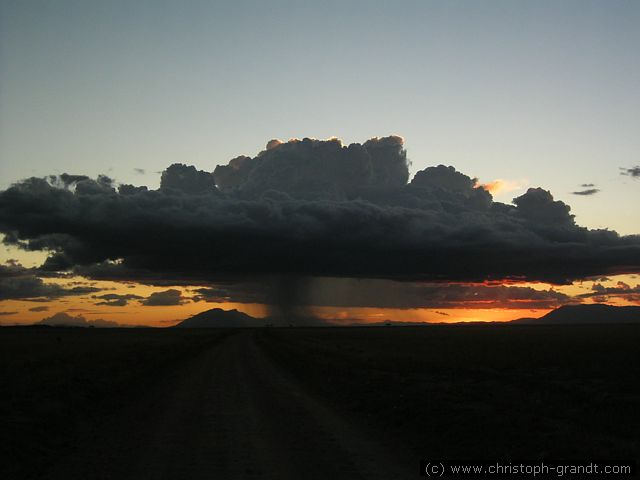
x: 588, y: 192
x: 622, y: 290
x: 140, y: 171
x: 7, y: 313
x: 165, y: 298
x: 623, y: 286
x: 116, y: 300
x: 588, y: 185
x: 39, y: 309
x: 631, y: 172
x: 442, y: 313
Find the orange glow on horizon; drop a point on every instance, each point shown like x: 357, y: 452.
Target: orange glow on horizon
x: 344, y: 316
x: 134, y: 313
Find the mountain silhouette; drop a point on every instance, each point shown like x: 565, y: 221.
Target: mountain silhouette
x: 580, y: 314
x: 219, y: 318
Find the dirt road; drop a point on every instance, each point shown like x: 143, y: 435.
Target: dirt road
x: 230, y: 413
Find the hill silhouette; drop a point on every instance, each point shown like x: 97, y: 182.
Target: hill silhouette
x: 580, y: 314
x: 219, y: 318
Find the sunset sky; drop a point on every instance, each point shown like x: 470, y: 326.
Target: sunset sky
x: 534, y: 101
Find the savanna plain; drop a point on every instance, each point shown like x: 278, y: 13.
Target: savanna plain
x: 362, y: 402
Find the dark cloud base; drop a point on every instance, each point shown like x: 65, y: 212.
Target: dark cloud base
x: 308, y: 208
x: 342, y: 292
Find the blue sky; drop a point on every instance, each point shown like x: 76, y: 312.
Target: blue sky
x: 540, y: 93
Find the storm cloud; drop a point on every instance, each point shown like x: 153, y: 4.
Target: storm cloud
x: 307, y: 208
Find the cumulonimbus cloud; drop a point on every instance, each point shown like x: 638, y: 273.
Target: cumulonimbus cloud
x: 307, y: 207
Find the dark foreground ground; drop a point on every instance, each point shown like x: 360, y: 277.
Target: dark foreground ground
x: 311, y: 403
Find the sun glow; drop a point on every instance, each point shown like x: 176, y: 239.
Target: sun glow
x: 501, y: 186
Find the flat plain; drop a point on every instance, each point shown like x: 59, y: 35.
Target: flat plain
x: 365, y: 402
